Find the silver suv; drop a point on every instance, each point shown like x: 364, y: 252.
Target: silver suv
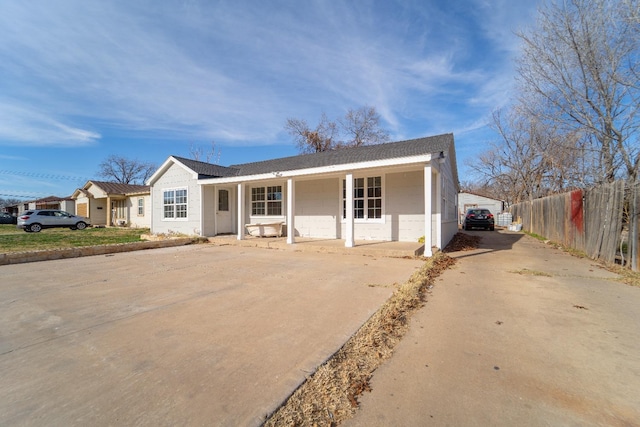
x: 37, y: 219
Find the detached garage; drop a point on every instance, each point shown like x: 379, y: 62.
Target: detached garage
x: 468, y: 200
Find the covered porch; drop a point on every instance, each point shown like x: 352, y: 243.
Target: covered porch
x: 376, y: 206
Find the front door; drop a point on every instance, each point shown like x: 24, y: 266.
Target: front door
x: 224, y: 220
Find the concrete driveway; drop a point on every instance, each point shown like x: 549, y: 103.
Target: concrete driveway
x: 517, y: 333
x: 194, y: 335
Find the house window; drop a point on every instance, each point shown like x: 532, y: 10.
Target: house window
x: 367, y: 198
x: 175, y: 203
x: 141, y: 206
x: 374, y: 197
x: 266, y: 200
x: 257, y: 201
x: 119, y: 209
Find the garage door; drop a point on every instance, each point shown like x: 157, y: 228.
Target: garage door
x: 81, y: 209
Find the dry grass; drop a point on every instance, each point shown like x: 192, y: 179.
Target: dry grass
x: 527, y: 272
x: 330, y: 396
x: 631, y: 278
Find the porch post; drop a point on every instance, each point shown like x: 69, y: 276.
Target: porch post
x: 438, y: 208
x: 201, y: 210
x: 240, y: 211
x: 428, y: 242
x: 348, y: 238
x: 291, y: 204
x: 215, y: 209
x: 109, y: 211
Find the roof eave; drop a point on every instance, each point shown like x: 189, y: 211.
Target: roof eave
x: 324, y: 170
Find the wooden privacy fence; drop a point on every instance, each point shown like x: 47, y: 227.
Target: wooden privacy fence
x: 587, y: 220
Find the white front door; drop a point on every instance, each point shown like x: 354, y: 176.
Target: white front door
x: 224, y: 219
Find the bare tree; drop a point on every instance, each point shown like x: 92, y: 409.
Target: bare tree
x: 358, y: 127
x: 211, y: 156
x: 529, y: 159
x: 362, y: 126
x: 8, y: 202
x: 581, y: 60
x: 125, y: 171
x: 308, y: 140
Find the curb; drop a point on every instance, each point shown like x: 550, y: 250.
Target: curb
x: 51, y: 254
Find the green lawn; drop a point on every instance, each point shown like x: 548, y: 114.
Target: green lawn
x: 16, y: 240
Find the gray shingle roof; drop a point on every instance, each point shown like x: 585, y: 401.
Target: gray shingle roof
x: 118, y: 188
x: 390, y: 150
x: 207, y: 170
x: 365, y: 153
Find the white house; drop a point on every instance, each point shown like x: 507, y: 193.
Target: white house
x: 467, y: 200
x: 377, y: 192
x: 112, y: 204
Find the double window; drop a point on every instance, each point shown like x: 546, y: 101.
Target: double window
x: 266, y: 200
x: 367, y: 198
x: 174, y: 203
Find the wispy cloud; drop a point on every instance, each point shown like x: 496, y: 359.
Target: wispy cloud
x: 26, y: 126
x: 235, y: 71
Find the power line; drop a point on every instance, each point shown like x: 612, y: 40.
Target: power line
x: 44, y: 175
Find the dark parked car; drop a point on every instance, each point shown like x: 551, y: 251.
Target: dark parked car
x: 478, y: 218
x: 6, y: 218
x: 37, y: 219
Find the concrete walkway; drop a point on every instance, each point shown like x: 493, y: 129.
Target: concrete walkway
x: 516, y: 334
x: 327, y: 246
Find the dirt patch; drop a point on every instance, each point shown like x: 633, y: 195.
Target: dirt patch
x: 462, y: 242
x: 330, y: 395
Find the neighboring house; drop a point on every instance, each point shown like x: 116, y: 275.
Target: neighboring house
x: 114, y: 204
x: 377, y: 192
x: 51, y: 202
x: 468, y: 200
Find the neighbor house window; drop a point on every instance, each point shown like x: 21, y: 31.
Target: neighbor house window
x: 141, y: 206
x: 367, y: 198
x: 119, y: 209
x: 266, y: 200
x: 175, y: 203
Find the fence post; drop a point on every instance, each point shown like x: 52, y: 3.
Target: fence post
x: 634, y: 222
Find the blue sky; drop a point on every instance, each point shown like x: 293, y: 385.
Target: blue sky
x: 81, y: 79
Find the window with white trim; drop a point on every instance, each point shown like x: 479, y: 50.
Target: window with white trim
x: 174, y: 203
x: 367, y: 198
x: 266, y: 200
x: 140, y: 206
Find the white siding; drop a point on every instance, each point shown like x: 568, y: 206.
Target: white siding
x: 403, y: 210
x: 404, y: 207
x: 175, y: 178
x: 318, y: 208
x: 209, y: 210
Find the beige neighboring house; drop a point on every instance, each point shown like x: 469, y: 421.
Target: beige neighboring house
x: 51, y: 202
x: 114, y: 204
